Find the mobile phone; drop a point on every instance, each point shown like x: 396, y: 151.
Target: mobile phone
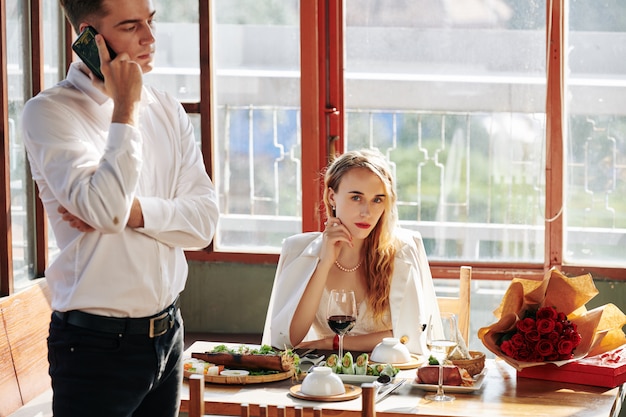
x: 87, y: 50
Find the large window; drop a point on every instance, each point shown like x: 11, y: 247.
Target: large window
x: 508, y: 156
x: 463, y: 100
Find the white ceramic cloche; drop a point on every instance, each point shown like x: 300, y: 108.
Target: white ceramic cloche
x: 390, y: 350
x: 322, y: 382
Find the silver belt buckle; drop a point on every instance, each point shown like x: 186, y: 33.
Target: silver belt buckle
x: 161, y: 316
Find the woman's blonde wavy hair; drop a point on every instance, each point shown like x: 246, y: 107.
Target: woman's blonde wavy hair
x: 380, y: 246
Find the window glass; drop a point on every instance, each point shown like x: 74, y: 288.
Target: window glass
x: 17, y: 61
x: 53, y: 21
x: 595, y: 149
x: 177, y: 60
x: 486, y: 296
x: 256, y: 59
x: 454, y: 93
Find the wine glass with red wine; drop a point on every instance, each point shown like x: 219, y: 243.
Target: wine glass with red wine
x: 341, y: 314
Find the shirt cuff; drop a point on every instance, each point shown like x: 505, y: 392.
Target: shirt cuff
x: 123, y: 137
x: 149, y: 210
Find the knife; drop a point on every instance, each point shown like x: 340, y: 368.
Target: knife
x: 389, y: 390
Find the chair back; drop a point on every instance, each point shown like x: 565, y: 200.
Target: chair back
x: 460, y: 305
x: 196, y: 395
x: 196, y: 403
x: 368, y: 400
x: 281, y: 411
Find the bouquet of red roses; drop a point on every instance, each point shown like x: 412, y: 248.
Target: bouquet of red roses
x: 547, y: 321
x: 541, y: 335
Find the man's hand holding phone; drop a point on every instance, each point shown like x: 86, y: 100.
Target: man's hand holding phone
x: 87, y: 50
x: 123, y: 82
x: 115, y: 74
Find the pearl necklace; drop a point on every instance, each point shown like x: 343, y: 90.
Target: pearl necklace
x: 344, y: 269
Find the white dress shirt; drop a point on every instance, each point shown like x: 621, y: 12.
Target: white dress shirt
x: 95, y: 168
x: 412, y: 298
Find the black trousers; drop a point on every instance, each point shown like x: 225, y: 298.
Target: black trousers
x: 114, y: 375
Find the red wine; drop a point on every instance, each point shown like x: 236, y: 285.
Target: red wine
x: 341, y: 324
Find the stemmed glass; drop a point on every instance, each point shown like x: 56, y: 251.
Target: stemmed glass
x: 441, y: 345
x: 341, y: 314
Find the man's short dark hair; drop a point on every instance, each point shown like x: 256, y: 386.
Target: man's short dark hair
x: 77, y: 11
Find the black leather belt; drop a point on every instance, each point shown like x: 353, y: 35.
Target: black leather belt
x: 152, y: 326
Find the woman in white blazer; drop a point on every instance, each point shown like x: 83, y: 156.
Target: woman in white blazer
x: 360, y: 250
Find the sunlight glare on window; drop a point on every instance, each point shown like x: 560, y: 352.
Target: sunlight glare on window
x: 454, y: 93
x: 256, y: 54
x: 595, y: 210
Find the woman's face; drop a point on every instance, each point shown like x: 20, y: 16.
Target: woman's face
x: 359, y: 201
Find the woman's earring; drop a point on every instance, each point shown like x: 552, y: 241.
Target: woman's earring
x: 334, y: 213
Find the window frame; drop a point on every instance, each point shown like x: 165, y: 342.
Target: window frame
x: 321, y: 25
x: 6, y: 244
x: 322, y: 130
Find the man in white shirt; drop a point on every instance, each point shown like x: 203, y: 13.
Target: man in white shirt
x: 126, y: 189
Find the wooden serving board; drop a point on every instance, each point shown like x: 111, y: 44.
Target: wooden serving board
x: 244, y: 379
x: 351, y: 393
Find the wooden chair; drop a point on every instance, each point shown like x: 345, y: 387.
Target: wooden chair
x: 460, y: 305
x: 196, y: 403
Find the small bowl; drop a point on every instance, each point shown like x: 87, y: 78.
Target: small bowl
x: 235, y: 372
x: 390, y: 350
x: 322, y: 382
x: 473, y: 366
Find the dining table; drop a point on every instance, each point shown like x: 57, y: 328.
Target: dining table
x: 500, y: 392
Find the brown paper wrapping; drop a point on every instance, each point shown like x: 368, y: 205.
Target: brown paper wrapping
x: 600, y: 328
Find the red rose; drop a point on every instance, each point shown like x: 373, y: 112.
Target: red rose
x: 553, y: 337
x: 525, y: 355
x: 545, y: 326
x: 572, y: 335
x: 509, y: 349
x: 532, y: 336
x: 558, y: 327
x: 547, y: 313
x: 518, y: 340
x: 544, y: 347
x: 526, y: 325
x: 565, y: 347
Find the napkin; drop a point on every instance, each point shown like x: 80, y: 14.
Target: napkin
x: 600, y: 328
x: 460, y: 351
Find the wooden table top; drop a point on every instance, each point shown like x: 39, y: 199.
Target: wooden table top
x: 501, y: 394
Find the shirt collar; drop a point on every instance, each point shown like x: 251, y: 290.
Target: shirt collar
x: 82, y: 82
